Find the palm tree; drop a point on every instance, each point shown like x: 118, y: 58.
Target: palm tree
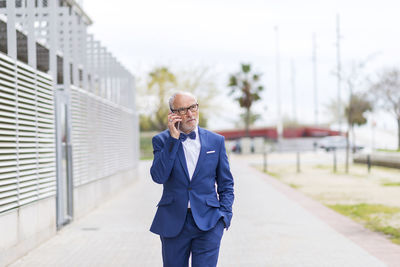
x: 246, y: 88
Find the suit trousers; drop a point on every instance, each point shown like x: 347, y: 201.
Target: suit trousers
x: 202, y: 245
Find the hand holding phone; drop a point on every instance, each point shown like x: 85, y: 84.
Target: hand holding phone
x: 174, y: 121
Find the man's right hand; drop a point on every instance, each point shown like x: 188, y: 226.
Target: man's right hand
x: 172, y: 119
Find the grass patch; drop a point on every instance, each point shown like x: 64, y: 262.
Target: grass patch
x: 373, y: 216
x: 273, y: 174
x: 391, y: 184
x: 389, y: 150
x: 146, y: 158
x: 393, y: 233
x: 356, y: 175
x: 145, y: 143
x: 364, y: 210
x: 146, y: 146
x: 323, y: 167
x: 295, y: 186
x: 261, y: 169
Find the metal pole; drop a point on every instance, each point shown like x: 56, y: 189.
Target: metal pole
x: 349, y: 126
x: 294, y: 91
x: 97, y: 68
x: 265, y: 161
x: 66, y: 50
x: 75, y: 53
x: 278, y: 86
x: 298, y: 161
x: 31, y: 34
x: 11, y: 31
x: 53, y: 36
x: 338, y: 71
x: 91, y: 59
x: 315, y: 80
x: 347, y: 152
x: 369, y: 163
x: 334, y: 160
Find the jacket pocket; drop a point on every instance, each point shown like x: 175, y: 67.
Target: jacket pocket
x: 165, y: 200
x: 212, y: 202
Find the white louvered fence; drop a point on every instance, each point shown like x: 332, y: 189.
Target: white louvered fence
x: 102, y: 136
x: 27, y: 150
x: 96, y: 134
x: 69, y: 134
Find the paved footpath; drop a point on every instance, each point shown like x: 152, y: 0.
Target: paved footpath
x: 273, y: 225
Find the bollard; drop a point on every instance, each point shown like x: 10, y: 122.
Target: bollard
x: 334, y: 160
x: 265, y: 161
x: 369, y: 163
x: 298, y: 161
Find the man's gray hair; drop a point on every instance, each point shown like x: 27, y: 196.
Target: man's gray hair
x: 172, y: 98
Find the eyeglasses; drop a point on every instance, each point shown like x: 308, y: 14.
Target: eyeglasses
x: 183, y: 111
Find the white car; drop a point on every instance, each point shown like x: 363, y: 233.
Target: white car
x: 335, y: 142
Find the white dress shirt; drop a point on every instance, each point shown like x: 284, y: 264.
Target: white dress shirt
x: 191, y: 148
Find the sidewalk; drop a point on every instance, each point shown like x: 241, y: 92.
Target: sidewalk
x: 273, y: 225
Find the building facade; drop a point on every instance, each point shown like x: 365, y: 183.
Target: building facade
x: 68, y: 122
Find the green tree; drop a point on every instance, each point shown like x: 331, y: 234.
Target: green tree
x: 331, y: 111
x: 200, y: 81
x: 145, y: 123
x: 241, y: 121
x: 245, y: 87
x: 355, y: 79
x: 355, y: 112
x: 289, y: 122
x: 161, y: 83
x: 154, y: 92
x: 386, y: 91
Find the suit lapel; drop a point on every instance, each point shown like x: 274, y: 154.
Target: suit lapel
x: 182, y: 159
x: 203, y: 142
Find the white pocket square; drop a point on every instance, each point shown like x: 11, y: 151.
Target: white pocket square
x: 211, y: 151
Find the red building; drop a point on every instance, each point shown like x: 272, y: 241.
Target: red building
x: 271, y: 132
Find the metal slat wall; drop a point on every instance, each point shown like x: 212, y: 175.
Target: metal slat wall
x: 46, y: 136
x: 102, y: 136
x: 8, y: 136
x: 27, y: 135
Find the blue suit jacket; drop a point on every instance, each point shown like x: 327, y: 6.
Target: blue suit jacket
x: 169, y: 168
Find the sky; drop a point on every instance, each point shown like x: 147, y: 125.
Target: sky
x: 221, y: 34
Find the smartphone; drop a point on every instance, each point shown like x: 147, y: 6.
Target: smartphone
x: 177, y: 124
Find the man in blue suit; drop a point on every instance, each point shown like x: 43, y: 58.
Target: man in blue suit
x: 190, y: 162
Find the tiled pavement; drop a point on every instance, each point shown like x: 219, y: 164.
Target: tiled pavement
x: 273, y: 225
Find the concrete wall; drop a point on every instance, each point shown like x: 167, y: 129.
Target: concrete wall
x: 25, y: 228
x: 245, y: 144
x: 258, y: 143
x: 90, y: 195
x: 385, y: 159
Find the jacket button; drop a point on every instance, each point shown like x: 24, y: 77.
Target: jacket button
x: 189, y: 188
